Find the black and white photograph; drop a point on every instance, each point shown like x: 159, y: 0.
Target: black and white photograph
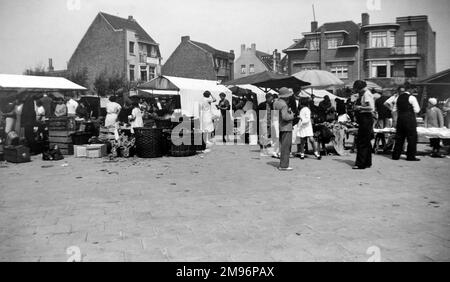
x: 224, y: 131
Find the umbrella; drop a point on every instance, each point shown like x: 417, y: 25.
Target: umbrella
x: 370, y: 85
x: 239, y: 91
x: 267, y: 79
x: 319, y: 78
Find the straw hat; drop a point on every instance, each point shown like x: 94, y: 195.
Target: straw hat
x: 285, y: 92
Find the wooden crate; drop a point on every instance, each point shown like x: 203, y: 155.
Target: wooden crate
x: 60, y: 123
x: 106, y: 134
x: 62, y: 139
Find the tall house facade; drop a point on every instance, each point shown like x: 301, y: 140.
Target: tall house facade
x: 388, y: 54
x: 395, y: 53
x: 332, y: 47
x: 114, y: 46
x: 193, y: 59
x: 252, y: 61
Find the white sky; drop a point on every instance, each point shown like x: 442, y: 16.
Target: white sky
x: 31, y: 31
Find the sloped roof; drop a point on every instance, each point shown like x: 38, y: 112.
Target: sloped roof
x: 349, y: 26
x: 121, y: 23
x: 349, y: 39
x: 442, y: 78
x: 266, y: 59
x: 211, y: 50
x: 299, y: 44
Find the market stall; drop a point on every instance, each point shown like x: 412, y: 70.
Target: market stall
x: 189, y: 90
x: 30, y: 134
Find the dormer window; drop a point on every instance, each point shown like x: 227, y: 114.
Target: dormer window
x: 333, y: 43
x: 313, y: 44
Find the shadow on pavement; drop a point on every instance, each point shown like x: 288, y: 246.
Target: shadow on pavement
x: 348, y: 162
x: 274, y: 164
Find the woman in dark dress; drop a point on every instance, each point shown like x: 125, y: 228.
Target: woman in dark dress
x: 225, y: 123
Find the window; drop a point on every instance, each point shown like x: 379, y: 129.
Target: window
x: 410, y: 69
x: 131, y: 47
x: 313, y: 44
x: 381, y: 39
x: 251, y: 68
x: 380, y: 69
x: 333, y: 43
x: 339, y: 70
x: 243, y: 69
x: 152, y: 73
x: 411, y: 42
x: 301, y: 67
x: 143, y: 73
x: 131, y: 72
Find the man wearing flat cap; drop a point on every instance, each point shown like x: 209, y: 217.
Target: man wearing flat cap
x: 286, y: 116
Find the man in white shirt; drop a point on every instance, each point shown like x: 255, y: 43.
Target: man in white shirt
x: 407, y: 108
x: 71, y: 107
x: 391, y: 104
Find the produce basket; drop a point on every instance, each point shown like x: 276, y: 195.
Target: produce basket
x: 149, y: 142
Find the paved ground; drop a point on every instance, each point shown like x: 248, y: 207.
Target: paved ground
x: 227, y: 205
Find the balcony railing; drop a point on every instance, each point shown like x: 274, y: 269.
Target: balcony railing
x: 405, y: 50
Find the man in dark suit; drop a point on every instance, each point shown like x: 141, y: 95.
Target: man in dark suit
x: 285, y: 120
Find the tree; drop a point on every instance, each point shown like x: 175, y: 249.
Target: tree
x: 37, y: 70
x: 80, y: 77
x: 101, y: 84
x: 116, y: 82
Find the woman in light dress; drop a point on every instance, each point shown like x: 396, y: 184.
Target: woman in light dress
x: 305, y: 129
x: 136, y: 117
x: 207, y: 116
x: 10, y: 117
x: 275, y: 134
x: 112, y: 112
x: 18, y: 112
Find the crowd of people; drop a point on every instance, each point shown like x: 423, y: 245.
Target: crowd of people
x: 289, y: 118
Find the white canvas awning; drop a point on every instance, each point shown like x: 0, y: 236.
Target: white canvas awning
x: 29, y: 82
x: 191, y: 92
x: 319, y: 95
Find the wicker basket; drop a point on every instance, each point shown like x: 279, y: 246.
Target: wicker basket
x: 183, y: 150
x: 163, y: 123
x: 149, y: 142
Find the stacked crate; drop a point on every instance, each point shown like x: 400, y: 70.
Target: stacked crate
x: 59, y: 133
x: 107, y: 134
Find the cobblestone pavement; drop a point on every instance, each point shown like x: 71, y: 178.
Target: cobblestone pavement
x: 226, y: 205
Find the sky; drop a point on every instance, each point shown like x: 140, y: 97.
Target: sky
x: 31, y: 31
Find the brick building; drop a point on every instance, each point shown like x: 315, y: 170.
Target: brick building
x: 394, y: 53
x: 332, y: 47
x: 116, y: 46
x: 252, y: 61
x: 192, y: 59
x: 387, y: 54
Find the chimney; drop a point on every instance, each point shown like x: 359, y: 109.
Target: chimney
x: 253, y: 47
x: 365, y: 19
x: 130, y: 18
x: 274, y: 60
x: 185, y: 38
x: 314, y: 26
x: 50, y: 65
x: 242, y: 48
